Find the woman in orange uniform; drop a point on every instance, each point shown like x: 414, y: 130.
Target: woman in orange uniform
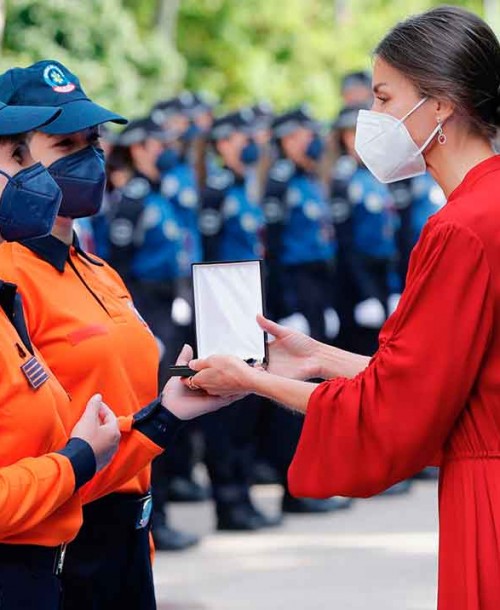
x: 433, y: 388
x: 41, y: 469
x: 83, y: 321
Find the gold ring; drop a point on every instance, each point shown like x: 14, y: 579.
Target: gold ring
x: 192, y: 385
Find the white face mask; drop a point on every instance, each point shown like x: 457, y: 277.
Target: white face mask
x: 386, y: 147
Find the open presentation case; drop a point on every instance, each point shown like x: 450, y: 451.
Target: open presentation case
x: 227, y: 298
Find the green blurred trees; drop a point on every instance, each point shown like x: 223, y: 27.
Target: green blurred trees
x: 286, y: 51
x: 98, y: 39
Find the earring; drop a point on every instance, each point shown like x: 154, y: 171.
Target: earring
x: 441, y: 134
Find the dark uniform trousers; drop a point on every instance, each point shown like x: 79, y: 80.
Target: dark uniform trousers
x: 28, y: 578
x: 230, y: 447
x: 120, y: 576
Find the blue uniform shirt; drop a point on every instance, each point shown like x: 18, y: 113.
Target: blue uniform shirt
x: 145, y: 236
x: 179, y: 186
x: 374, y: 221
x: 232, y: 220
x: 427, y: 199
x: 307, y: 230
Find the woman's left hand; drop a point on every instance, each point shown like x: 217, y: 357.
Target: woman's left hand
x: 223, y: 375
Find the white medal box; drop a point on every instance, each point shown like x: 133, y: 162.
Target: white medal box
x: 227, y: 298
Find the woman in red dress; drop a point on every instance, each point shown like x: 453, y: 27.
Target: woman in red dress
x: 431, y: 393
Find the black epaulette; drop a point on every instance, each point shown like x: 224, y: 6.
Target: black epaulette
x: 274, y: 203
x: 211, y: 201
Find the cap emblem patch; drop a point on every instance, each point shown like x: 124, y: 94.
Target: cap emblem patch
x: 55, y: 78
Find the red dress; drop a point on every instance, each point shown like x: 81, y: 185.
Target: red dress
x: 431, y: 392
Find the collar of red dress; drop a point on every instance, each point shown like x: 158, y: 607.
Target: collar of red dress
x: 492, y: 164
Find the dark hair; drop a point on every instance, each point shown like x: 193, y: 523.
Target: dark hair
x: 14, y: 138
x: 451, y: 53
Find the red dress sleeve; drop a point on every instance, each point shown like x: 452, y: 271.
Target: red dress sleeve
x: 364, y: 434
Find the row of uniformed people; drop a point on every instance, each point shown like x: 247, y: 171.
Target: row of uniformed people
x: 175, y: 175
x: 69, y: 329
x: 142, y: 246
x: 296, y: 210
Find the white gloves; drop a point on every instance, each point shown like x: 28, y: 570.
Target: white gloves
x: 369, y: 313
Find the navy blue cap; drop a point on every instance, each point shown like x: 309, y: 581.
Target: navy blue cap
x: 226, y: 125
x: 21, y: 119
x: 202, y: 102
x: 360, y: 78
x: 49, y: 83
x: 186, y: 103
x: 348, y: 116
x: 290, y: 121
x: 142, y: 129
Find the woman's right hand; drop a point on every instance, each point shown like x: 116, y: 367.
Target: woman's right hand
x: 187, y: 404
x: 98, y: 426
x: 292, y: 354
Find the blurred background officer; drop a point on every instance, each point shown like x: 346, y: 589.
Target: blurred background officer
x: 356, y: 89
x: 180, y: 116
x: 366, y: 225
x: 300, y: 238
x: 232, y: 223
x: 416, y: 199
x: 300, y: 252
x: 41, y: 470
x: 145, y: 247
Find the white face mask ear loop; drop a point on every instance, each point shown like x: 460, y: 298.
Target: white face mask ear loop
x: 422, y: 101
x: 437, y: 129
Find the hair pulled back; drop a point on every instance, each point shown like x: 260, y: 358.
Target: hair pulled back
x: 450, y: 53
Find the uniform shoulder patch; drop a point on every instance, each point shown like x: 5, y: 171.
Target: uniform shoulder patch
x: 402, y: 195
x: 340, y: 209
x: 210, y: 222
x: 170, y: 186
x: 282, y: 170
x: 344, y: 168
x: 220, y: 180
x: 137, y: 188
x: 273, y: 210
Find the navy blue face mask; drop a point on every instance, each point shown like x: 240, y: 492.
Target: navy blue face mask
x: 29, y: 204
x: 192, y: 132
x: 250, y: 153
x: 315, y: 148
x: 81, y: 177
x: 167, y: 159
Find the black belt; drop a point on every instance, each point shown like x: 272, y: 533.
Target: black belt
x: 45, y: 558
x: 119, y: 510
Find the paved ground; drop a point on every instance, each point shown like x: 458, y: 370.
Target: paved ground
x: 380, y: 555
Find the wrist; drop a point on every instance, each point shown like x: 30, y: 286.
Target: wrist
x: 314, y: 367
x: 255, y: 378
x: 158, y: 423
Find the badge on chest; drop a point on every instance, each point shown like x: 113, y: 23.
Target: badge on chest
x: 34, y: 372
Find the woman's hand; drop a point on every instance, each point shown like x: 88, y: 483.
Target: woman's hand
x: 98, y: 426
x: 224, y: 376
x: 292, y: 354
x: 187, y: 404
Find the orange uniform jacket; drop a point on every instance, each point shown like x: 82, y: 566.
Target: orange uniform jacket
x: 38, y: 504
x: 82, y: 319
